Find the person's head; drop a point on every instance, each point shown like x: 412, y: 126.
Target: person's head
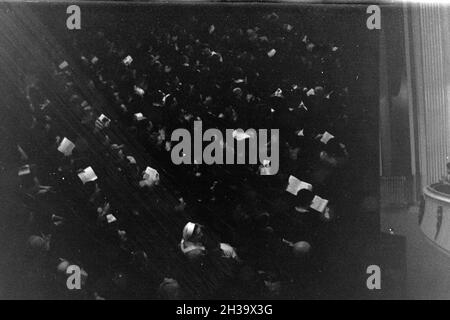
x: 272, y: 283
x: 249, y: 279
x: 328, y: 158
x: 120, y: 280
x: 192, y: 232
x: 334, y: 148
x: 38, y: 243
x: 319, y: 92
x: 267, y: 234
x: 301, y: 249
x: 139, y: 259
x: 262, y: 220
x: 90, y: 187
x: 304, y: 198
x: 237, y: 92
x: 293, y: 152
x: 62, y: 266
x: 170, y: 289
x: 120, y: 154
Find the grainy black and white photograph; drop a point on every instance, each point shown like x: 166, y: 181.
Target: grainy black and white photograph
x: 234, y: 151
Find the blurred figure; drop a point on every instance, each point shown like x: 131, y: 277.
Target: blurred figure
x: 191, y: 244
x: 170, y: 289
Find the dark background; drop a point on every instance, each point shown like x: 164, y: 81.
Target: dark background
x: 343, y: 24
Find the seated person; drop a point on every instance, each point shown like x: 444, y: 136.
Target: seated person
x: 150, y: 178
x: 29, y: 182
x: 191, y: 245
x: 304, y: 199
x: 195, y: 245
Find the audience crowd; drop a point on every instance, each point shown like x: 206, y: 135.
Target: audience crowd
x: 102, y: 193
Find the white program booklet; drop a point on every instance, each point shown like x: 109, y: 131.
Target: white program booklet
x: 24, y: 170
x: 295, y: 185
x: 66, y: 147
x: 87, y: 175
x: 240, y: 135
x: 139, y: 116
x: 127, y: 61
x: 326, y: 137
x: 63, y: 65
x: 110, y: 218
x: 319, y: 204
x: 151, y: 175
x: 104, y: 119
x: 271, y: 53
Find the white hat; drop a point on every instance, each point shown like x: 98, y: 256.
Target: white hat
x: 188, y: 230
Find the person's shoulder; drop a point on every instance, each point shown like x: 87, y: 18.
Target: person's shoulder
x: 195, y: 254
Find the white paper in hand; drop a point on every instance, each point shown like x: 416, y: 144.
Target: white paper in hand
x: 66, y: 147
x: 151, y: 177
x: 326, y: 137
x: 278, y: 93
x: 87, y: 175
x: 263, y: 171
x: 127, y: 61
x: 139, y: 91
x: 152, y: 173
x: 168, y: 146
x: 164, y: 99
x: 240, y: 135
x: 63, y: 65
x: 302, y: 106
x: 319, y: 204
x: 24, y: 170
x: 104, y: 119
x: 131, y: 159
x: 295, y: 185
x: 110, y: 218
x: 228, y: 251
x: 271, y: 53
x: 139, y: 116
